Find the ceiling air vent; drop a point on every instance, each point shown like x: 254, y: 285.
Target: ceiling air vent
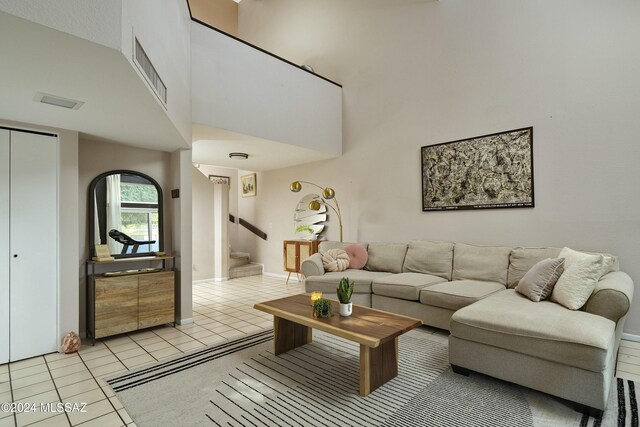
x: 58, y: 101
x: 150, y: 72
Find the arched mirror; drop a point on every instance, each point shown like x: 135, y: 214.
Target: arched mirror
x: 125, y: 213
x: 307, y: 221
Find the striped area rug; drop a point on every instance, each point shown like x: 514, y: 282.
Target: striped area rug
x: 242, y: 383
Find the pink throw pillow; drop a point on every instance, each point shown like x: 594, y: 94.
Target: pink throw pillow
x: 358, y: 256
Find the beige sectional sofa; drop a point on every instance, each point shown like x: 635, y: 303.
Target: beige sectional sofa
x: 469, y: 290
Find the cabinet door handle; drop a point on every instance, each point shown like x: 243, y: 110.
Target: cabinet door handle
x: 15, y: 255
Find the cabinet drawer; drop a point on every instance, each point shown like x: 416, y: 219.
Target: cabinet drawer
x: 116, y: 305
x: 156, y: 299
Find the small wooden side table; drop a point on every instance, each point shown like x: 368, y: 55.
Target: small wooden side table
x: 295, y: 252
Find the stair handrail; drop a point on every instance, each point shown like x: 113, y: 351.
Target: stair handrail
x: 246, y: 224
x: 252, y: 228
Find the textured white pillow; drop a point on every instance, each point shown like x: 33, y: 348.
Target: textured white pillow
x: 581, y: 273
x: 335, y: 260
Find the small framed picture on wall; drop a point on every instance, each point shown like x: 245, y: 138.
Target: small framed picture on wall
x: 219, y: 179
x: 249, y: 185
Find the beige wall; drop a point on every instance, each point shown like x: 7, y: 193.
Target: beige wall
x: 240, y: 239
x: 207, y: 170
x: 222, y: 14
x: 203, y: 227
x: 421, y: 72
x: 97, y: 157
x: 181, y: 208
x: 248, y: 210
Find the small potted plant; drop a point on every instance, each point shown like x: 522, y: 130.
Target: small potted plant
x: 322, y: 308
x: 345, y: 290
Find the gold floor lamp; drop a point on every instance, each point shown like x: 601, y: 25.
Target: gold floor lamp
x: 328, y: 196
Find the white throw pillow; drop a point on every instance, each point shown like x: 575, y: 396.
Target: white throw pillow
x: 581, y: 273
x: 335, y: 260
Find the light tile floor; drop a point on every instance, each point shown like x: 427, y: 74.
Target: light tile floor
x: 221, y: 311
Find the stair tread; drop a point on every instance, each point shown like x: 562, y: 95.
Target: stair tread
x: 246, y: 266
x: 244, y: 270
x: 240, y: 255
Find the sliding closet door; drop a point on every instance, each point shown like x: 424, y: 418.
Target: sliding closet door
x: 33, y: 254
x: 4, y: 246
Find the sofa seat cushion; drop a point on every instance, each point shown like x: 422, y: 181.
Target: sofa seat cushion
x: 458, y: 293
x: 545, y: 330
x: 404, y: 285
x: 328, y: 282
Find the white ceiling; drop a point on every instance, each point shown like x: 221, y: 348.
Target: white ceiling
x: 118, y: 105
x: 211, y: 146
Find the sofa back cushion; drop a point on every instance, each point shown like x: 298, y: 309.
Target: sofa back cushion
x: 488, y: 263
x: 386, y: 257
x: 522, y: 259
x: 330, y: 244
x: 434, y: 258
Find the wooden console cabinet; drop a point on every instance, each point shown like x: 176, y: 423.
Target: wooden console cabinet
x: 128, y: 302
x: 295, y: 252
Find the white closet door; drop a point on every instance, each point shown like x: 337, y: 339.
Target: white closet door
x: 4, y: 246
x: 33, y: 242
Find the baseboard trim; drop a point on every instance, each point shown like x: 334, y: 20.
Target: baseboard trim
x: 184, y: 321
x: 221, y: 279
x: 279, y: 276
x: 197, y: 282
x: 630, y: 337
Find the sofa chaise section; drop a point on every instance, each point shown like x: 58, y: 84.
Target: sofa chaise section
x: 544, y: 346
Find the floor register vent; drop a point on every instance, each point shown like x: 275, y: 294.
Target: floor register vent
x: 150, y: 72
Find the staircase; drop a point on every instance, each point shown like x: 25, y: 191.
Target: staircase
x: 240, y: 265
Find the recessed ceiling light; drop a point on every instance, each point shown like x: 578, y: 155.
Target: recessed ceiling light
x: 58, y: 101
x: 243, y: 156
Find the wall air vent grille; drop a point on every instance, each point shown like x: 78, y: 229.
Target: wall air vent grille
x: 150, y: 72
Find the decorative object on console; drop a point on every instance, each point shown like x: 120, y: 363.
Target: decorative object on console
x: 344, y: 291
x: 538, y: 282
x: 489, y: 171
x: 322, y: 308
x: 358, y: 256
x: 316, y: 204
x: 102, y: 253
x: 335, y: 260
x: 249, y: 185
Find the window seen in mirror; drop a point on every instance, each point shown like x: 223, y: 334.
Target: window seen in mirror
x: 139, y: 213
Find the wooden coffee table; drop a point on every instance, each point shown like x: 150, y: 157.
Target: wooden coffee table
x: 376, y: 331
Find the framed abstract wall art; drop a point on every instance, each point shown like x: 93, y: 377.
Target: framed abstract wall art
x: 485, y: 172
